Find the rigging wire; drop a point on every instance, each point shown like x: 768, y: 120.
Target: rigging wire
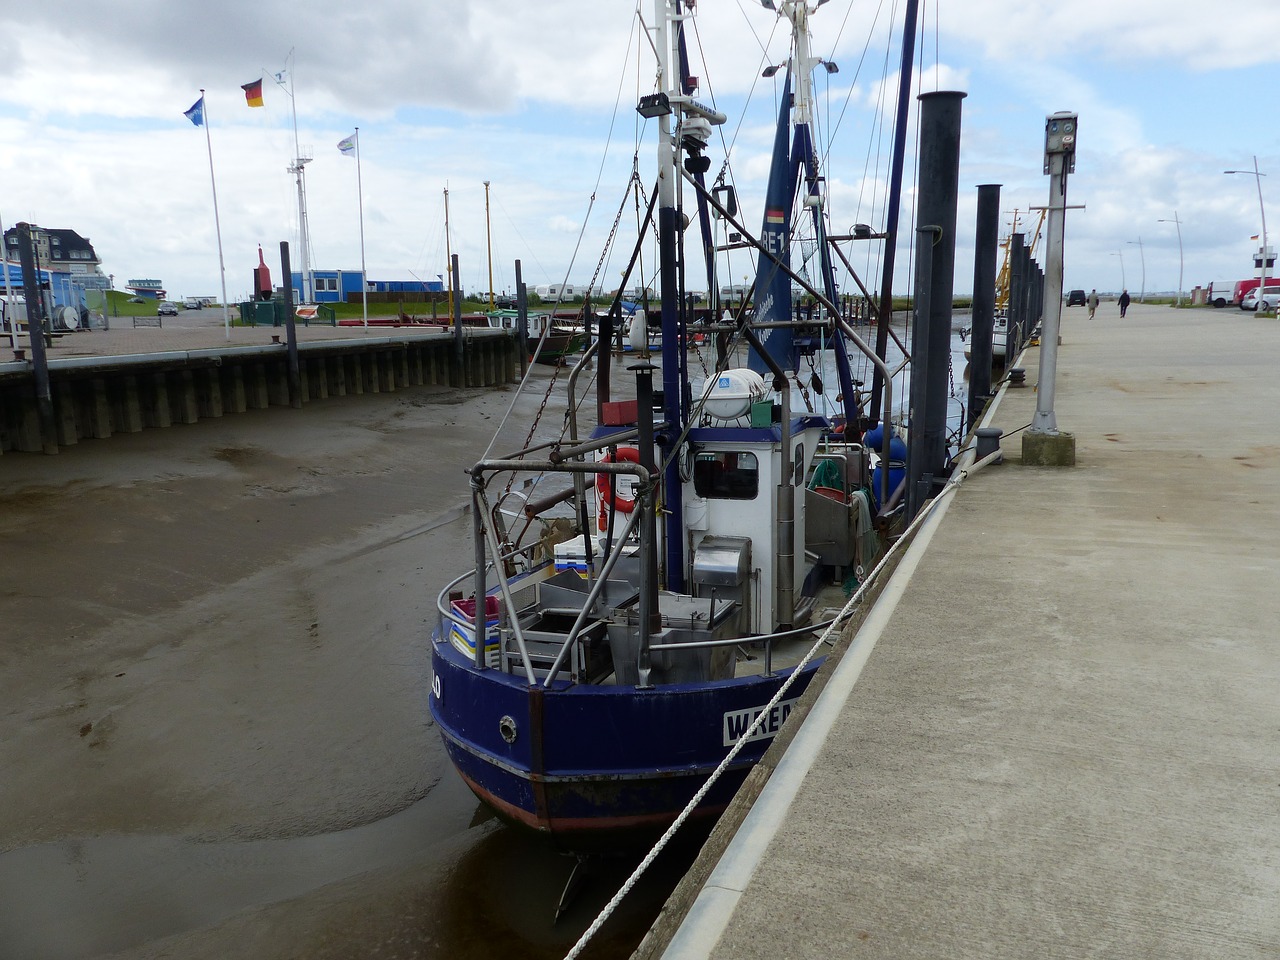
x: 838, y: 623
x: 586, y: 219
x: 532, y: 251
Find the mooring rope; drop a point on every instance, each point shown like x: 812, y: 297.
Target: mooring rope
x: 952, y: 484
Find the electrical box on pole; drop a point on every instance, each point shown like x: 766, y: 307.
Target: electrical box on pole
x: 1060, y: 140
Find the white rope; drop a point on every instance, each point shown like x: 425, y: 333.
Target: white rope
x: 951, y: 486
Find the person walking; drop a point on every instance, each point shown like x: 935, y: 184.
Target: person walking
x: 1124, y: 302
x: 1092, y: 302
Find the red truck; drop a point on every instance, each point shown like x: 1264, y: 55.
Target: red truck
x: 1243, y: 287
x: 1231, y: 293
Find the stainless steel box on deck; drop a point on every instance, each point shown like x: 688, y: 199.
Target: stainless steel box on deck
x: 722, y: 569
x: 685, y: 620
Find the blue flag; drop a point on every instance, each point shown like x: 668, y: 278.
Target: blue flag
x: 772, y: 291
x: 196, y: 113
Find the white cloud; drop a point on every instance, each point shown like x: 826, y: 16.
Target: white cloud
x: 522, y: 95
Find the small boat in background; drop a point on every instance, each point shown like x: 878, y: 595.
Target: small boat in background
x: 550, y: 339
x: 999, y: 338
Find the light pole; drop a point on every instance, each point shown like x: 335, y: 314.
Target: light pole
x: 1120, y: 254
x: 1178, y: 223
x: 1142, y: 294
x: 1257, y: 176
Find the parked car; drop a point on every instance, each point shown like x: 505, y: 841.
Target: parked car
x: 137, y: 300
x: 1222, y: 293
x: 1076, y: 298
x: 166, y: 309
x: 1267, y: 302
x: 191, y: 304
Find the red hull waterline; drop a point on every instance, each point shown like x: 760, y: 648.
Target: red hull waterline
x: 581, y: 827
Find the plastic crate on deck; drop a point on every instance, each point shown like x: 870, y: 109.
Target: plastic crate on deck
x: 465, y: 640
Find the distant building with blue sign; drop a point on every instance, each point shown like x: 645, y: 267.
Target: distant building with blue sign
x: 345, y: 286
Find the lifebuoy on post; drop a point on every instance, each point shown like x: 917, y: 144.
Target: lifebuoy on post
x: 608, y: 499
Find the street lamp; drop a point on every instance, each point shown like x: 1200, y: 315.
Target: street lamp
x: 1178, y: 224
x: 1257, y: 176
x: 1142, y: 294
x: 1120, y: 254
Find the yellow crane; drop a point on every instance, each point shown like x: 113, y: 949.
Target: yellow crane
x: 1002, y: 278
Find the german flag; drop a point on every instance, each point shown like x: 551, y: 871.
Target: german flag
x: 253, y: 92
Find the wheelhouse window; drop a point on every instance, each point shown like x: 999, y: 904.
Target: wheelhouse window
x: 726, y: 475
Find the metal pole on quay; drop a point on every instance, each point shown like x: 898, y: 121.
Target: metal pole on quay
x: 1043, y: 445
x: 291, y: 329
x: 35, y: 330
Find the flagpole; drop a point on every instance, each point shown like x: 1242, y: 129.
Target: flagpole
x: 307, y: 294
x: 364, y: 280
x: 217, y: 222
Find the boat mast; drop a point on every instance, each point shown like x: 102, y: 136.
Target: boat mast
x: 297, y: 169
x: 804, y: 153
x: 488, y: 241
x: 667, y: 11
x: 448, y: 252
x: 895, y: 201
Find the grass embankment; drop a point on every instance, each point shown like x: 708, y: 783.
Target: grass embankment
x: 119, y: 304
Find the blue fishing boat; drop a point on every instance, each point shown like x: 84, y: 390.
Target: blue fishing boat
x: 588, y: 680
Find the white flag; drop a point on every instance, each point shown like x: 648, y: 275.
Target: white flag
x: 348, y: 146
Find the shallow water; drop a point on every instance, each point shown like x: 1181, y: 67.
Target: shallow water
x: 448, y: 881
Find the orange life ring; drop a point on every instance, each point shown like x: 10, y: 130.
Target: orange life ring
x: 604, y: 481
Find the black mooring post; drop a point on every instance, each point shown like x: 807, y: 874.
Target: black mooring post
x: 986, y: 249
x: 1013, y: 338
x: 1029, y: 316
x: 604, y: 357
x: 35, y: 327
x: 939, y: 194
x: 522, y: 321
x: 459, y: 347
x: 650, y: 614
x: 290, y: 329
x: 921, y: 360
x: 1037, y: 296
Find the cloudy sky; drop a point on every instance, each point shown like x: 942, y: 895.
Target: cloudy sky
x: 538, y: 98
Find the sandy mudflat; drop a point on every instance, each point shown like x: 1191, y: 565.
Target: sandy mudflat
x: 220, y: 631
x: 222, y: 628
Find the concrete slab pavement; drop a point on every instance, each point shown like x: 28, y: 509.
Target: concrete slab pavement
x: 1065, y: 740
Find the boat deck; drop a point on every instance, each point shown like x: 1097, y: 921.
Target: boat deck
x: 1055, y: 735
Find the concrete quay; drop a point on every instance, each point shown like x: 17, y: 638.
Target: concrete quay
x: 126, y: 379
x: 1057, y: 732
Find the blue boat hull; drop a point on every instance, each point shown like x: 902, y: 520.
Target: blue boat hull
x: 584, y: 762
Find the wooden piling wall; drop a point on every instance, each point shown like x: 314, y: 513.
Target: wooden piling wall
x: 96, y: 397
